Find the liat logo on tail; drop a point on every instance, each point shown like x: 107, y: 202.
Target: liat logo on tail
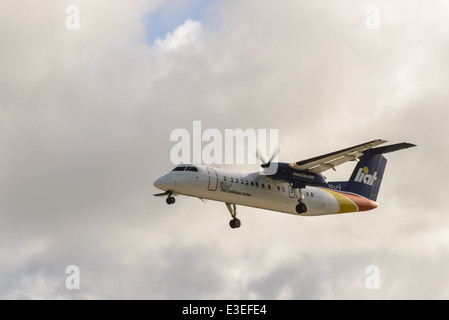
x: 363, y: 176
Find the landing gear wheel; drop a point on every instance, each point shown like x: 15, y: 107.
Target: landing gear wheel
x: 170, y: 200
x: 301, y: 207
x: 235, y: 223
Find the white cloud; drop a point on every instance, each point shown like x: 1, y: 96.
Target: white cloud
x: 86, y: 117
x: 184, y: 35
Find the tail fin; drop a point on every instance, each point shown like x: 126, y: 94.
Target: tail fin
x: 367, y: 175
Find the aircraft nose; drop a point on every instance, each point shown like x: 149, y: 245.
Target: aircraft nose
x: 163, y: 183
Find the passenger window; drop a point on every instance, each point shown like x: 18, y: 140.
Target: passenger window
x: 279, y: 189
x: 263, y: 186
x: 252, y: 183
x: 241, y: 181
x: 246, y: 182
x: 232, y: 179
x: 257, y: 184
x: 269, y: 187
x: 283, y: 189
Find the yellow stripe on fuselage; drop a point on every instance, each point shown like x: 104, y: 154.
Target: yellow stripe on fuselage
x: 346, y: 205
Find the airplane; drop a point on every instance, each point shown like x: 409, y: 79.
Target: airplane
x: 297, y: 188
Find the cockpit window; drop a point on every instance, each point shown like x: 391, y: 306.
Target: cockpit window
x: 182, y: 168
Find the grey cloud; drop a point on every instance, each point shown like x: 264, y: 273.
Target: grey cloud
x: 86, y: 119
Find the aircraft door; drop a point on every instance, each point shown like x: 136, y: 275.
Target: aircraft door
x: 213, y: 179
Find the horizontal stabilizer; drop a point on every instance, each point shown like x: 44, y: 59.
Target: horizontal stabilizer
x: 367, y: 175
x: 391, y: 148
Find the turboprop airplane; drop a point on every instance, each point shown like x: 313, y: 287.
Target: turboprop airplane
x: 297, y: 188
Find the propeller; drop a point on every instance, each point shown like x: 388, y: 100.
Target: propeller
x: 266, y: 164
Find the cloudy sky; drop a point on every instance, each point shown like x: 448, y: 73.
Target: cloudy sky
x: 85, y: 120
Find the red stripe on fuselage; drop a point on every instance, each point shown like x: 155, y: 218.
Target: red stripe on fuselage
x: 364, y: 204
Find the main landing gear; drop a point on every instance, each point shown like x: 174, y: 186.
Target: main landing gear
x: 301, y: 207
x: 234, y: 223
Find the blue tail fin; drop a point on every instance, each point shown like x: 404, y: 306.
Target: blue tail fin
x: 367, y: 175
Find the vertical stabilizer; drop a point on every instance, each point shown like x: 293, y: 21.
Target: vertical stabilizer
x: 367, y: 175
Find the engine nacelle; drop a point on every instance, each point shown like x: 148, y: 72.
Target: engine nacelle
x: 299, y: 178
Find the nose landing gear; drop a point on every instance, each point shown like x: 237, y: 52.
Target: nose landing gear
x: 170, y: 199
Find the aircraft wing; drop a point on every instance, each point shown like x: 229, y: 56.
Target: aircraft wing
x: 333, y: 159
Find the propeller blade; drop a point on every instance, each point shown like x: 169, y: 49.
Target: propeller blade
x: 266, y: 164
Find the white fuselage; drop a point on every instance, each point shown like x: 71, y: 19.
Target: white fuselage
x: 258, y: 191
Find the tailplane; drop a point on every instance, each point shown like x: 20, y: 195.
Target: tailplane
x: 367, y: 175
